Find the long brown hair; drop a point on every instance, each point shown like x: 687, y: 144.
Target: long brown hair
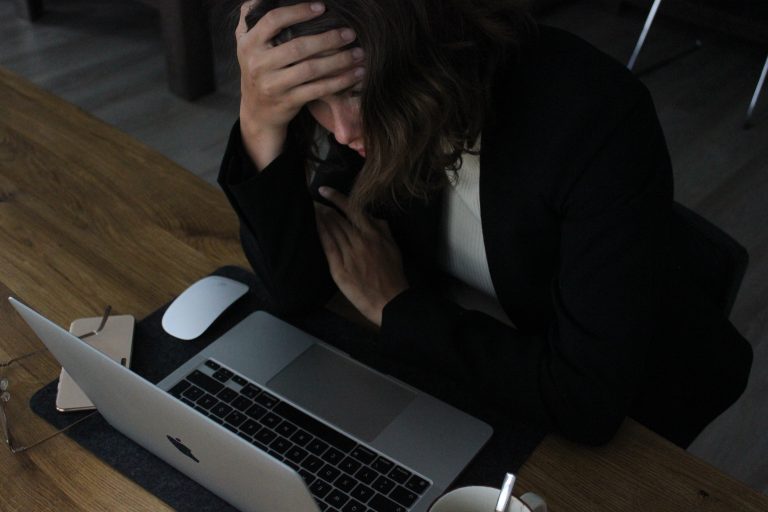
x: 430, y: 66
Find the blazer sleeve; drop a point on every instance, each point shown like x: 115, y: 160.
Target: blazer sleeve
x: 580, y: 375
x: 277, y: 226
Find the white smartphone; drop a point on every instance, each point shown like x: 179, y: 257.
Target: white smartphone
x: 115, y: 341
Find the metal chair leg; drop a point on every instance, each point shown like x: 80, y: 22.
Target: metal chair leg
x: 756, y: 95
x: 643, y: 34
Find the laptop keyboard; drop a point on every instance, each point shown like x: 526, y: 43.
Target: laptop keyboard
x: 341, y: 474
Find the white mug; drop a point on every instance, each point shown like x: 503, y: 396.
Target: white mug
x: 483, y: 499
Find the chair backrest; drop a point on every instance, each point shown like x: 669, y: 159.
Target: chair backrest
x: 702, y: 366
x: 716, y: 263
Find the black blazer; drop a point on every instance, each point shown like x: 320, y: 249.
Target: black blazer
x: 576, y: 196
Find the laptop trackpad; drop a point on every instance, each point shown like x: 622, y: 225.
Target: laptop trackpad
x: 342, y: 392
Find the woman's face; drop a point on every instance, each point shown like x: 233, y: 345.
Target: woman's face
x: 340, y: 114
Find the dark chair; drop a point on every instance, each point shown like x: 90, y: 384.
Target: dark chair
x: 187, y: 37
x: 708, y: 268
x: 717, y: 261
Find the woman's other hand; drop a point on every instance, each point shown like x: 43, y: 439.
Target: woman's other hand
x: 276, y: 81
x: 363, y: 257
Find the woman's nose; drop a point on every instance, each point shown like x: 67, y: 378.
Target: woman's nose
x: 346, y: 127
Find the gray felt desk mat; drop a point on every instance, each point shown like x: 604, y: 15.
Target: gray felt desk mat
x: 156, y: 354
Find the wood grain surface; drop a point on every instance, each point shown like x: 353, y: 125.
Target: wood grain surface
x: 637, y: 471
x: 89, y: 216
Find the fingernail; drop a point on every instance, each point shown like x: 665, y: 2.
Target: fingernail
x: 357, y: 53
x: 317, y: 6
x: 347, y: 34
x: 359, y: 72
x: 324, y: 191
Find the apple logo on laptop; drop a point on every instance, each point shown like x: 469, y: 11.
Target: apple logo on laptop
x: 182, y: 447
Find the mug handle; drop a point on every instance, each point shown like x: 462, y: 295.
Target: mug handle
x: 535, y: 502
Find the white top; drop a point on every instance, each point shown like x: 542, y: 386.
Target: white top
x: 462, y: 247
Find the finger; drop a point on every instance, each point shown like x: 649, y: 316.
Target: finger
x: 356, y: 219
x: 272, y: 23
x: 333, y: 67
x: 332, y: 242
x: 336, y: 197
x: 315, y: 89
x: 343, y: 70
x: 326, y: 241
x: 304, y: 47
x: 340, y: 229
x: 242, y: 25
x: 321, y: 67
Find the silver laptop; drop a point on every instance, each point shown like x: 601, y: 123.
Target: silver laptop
x: 272, y: 419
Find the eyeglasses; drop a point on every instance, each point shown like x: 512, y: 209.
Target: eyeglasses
x: 7, y: 370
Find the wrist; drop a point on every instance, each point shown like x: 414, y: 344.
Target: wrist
x: 262, y: 143
x: 377, y: 312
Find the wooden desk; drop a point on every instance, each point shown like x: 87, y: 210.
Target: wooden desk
x: 88, y: 216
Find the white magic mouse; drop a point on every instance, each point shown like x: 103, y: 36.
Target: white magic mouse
x: 192, y: 312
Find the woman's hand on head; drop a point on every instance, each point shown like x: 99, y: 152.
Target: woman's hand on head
x: 276, y: 81
x: 363, y: 257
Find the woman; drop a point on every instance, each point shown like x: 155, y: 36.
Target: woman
x: 500, y: 207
